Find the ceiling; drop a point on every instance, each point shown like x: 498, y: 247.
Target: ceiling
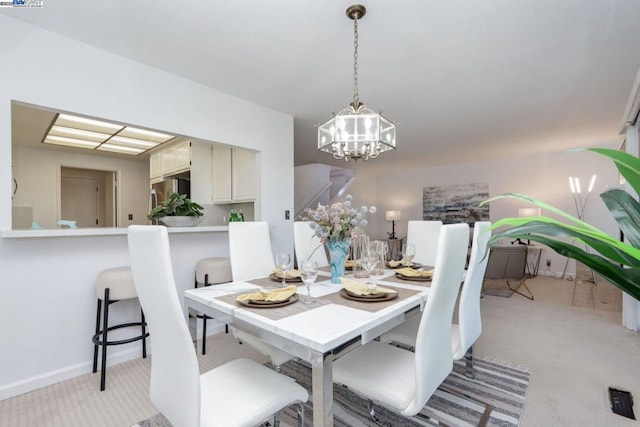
x: 465, y: 80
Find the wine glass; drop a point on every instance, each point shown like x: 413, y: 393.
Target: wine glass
x: 282, y: 262
x: 309, y: 274
x: 408, y: 252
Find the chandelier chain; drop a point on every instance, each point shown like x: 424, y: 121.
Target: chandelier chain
x: 356, y: 96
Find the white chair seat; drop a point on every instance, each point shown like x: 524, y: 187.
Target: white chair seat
x: 404, y: 333
x: 277, y: 356
x: 456, y: 343
x: 381, y: 372
x: 235, y: 385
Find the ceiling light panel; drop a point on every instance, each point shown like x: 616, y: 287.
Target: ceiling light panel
x: 120, y: 149
x: 131, y: 142
x: 78, y: 133
x: 148, y: 135
x: 81, y: 132
x: 70, y: 142
x: 87, y: 124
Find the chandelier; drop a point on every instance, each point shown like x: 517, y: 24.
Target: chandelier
x: 356, y: 132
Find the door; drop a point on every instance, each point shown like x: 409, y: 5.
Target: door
x: 80, y: 200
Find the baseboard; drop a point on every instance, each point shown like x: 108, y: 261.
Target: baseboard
x: 33, y: 383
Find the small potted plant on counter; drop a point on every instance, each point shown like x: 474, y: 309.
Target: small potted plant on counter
x: 177, y: 211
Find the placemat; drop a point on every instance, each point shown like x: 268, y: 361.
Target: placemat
x: 372, y: 307
x: 278, y: 313
x: 395, y: 279
x: 266, y: 282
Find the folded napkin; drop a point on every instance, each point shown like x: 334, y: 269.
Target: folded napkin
x: 349, y: 263
x: 274, y: 295
x: 360, y: 288
x: 394, y: 264
x: 410, y: 272
x: 291, y: 274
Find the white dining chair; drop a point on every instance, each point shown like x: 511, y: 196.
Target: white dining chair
x: 251, y: 257
x: 307, y: 245
x: 250, y: 250
x: 401, y: 380
x: 423, y: 235
x: 469, y: 327
x: 239, y: 393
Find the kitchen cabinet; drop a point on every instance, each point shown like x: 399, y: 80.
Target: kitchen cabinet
x: 234, y: 175
x: 176, y: 159
x: 155, y: 165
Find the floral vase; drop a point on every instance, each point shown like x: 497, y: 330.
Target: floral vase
x: 338, y: 251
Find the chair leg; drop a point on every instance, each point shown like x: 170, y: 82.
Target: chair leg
x: 204, y: 321
x: 95, y: 345
x: 105, y: 323
x: 488, y: 408
x: 516, y: 290
x: 300, y: 412
x: 469, y: 372
x: 372, y: 413
x: 143, y: 321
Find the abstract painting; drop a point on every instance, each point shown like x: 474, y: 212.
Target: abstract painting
x: 455, y: 203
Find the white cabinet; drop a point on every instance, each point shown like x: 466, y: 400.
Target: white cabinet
x: 201, y: 173
x: 243, y: 175
x: 234, y: 175
x: 182, y: 156
x: 155, y: 165
x: 172, y: 160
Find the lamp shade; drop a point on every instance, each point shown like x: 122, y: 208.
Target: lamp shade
x: 392, y: 215
x: 525, y: 212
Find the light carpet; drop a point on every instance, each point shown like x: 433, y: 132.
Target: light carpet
x: 502, y: 386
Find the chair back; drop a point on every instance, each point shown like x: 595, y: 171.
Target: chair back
x: 507, y: 262
x: 424, y: 236
x: 308, y: 245
x: 250, y: 250
x: 433, y: 354
x: 469, y: 320
x: 175, y: 377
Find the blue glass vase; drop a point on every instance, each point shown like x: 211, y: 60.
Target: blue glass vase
x: 338, y: 251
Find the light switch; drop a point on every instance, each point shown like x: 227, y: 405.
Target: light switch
x: 286, y: 214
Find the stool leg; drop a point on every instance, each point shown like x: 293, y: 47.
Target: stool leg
x: 204, y: 322
x: 105, y: 323
x: 95, y: 346
x: 144, y: 332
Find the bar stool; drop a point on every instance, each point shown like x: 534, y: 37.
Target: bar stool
x: 113, y: 285
x: 211, y: 271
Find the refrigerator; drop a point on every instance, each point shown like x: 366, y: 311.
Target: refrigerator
x: 161, y: 190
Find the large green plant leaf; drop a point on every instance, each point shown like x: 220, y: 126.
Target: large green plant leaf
x: 626, y: 211
x: 602, y: 243
x: 628, y: 165
x: 627, y: 279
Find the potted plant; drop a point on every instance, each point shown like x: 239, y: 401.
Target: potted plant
x: 177, y: 211
x: 615, y: 260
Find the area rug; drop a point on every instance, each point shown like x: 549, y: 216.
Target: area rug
x: 502, y: 386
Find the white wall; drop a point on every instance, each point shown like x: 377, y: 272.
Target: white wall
x: 544, y: 177
x: 47, y: 297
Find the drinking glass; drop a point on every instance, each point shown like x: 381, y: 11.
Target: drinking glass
x: 370, y: 259
x: 282, y: 262
x: 408, y: 252
x: 382, y: 249
x: 309, y: 274
x: 360, y: 245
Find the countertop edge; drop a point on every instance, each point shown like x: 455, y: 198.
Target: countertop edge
x: 94, y: 232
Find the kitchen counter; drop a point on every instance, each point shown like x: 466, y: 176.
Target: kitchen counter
x: 80, y: 232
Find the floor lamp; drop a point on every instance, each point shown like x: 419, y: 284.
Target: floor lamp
x: 580, y: 204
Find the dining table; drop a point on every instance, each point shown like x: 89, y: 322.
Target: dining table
x: 317, y: 333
